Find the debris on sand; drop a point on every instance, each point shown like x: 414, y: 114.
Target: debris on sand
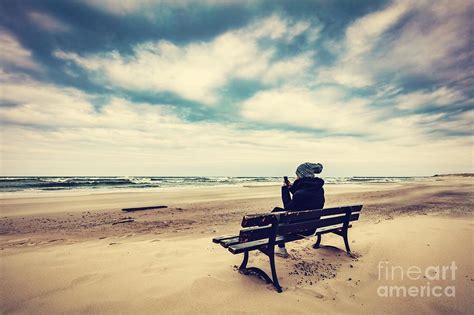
x: 123, y: 220
x: 316, y: 270
x: 143, y: 208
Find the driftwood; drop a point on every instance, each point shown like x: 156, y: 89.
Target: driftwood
x: 143, y: 208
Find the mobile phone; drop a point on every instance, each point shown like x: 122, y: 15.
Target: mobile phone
x: 285, y: 179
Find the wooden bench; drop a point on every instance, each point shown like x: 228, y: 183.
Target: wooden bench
x: 263, y: 231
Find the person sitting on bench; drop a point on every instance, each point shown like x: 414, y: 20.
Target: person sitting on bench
x: 307, y: 191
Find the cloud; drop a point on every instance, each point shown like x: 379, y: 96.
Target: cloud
x: 47, y: 22
x: 66, y: 134
x: 290, y: 69
x: 61, y: 126
x: 389, y: 97
x: 441, y: 97
x: 323, y: 109
x: 276, y: 27
x: 46, y: 105
x: 194, y: 72
x: 122, y: 7
x: 197, y: 70
x: 462, y: 123
x: 14, y: 54
x: 428, y: 39
x: 333, y: 111
x: 360, y: 38
x: 363, y: 34
x: 434, y: 40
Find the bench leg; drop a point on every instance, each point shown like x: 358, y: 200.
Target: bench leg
x: 344, y: 234
x: 259, y: 272
x: 318, y: 241
x: 243, y: 265
x: 276, y: 284
x: 346, y: 242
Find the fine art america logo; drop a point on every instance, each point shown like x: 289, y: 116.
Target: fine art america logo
x: 434, y: 280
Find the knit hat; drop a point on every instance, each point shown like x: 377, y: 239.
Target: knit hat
x: 309, y: 169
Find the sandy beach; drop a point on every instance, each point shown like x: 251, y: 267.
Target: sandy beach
x: 199, y: 111
x: 64, y: 254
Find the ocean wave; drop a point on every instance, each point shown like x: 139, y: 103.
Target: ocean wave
x: 22, y: 183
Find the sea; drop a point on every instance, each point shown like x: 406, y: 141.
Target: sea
x: 19, y: 184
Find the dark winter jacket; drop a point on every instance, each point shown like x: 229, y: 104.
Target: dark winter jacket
x: 308, y: 194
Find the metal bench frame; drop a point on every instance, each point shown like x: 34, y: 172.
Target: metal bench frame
x: 268, y: 248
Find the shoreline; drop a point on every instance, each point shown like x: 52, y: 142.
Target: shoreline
x: 27, y: 193
x: 205, y: 209
x: 24, y: 205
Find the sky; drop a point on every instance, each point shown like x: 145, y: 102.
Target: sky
x: 236, y: 88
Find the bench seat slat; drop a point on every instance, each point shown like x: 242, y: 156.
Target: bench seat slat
x: 219, y: 239
x: 245, y: 247
x: 230, y: 241
x: 256, y: 244
x: 249, y: 246
x: 330, y: 229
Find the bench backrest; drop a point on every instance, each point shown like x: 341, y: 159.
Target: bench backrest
x: 262, y: 226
